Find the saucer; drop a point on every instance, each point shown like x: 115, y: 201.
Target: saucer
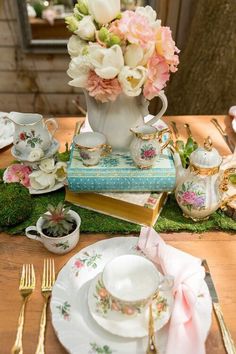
x: 123, y: 322
x: 57, y: 186
x: 47, y: 153
x: 6, y: 130
x: 75, y: 327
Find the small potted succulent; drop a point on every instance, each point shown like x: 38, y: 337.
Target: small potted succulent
x: 58, y: 229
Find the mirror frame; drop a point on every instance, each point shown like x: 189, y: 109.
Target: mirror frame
x: 49, y: 46
x: 30, y: 45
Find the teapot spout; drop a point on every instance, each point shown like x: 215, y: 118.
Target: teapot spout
x: 180, y: 170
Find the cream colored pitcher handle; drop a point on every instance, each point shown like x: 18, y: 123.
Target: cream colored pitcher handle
x: 54, y: 123
x: 163, y: 98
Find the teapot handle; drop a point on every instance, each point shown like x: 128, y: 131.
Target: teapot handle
x: 163, y: 98
x: 54, y: 123
x: 225, y: 181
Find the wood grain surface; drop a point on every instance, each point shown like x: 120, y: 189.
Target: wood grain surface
x: 218, y: 248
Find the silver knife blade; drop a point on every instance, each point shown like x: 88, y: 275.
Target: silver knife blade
x: 229, y: 143
x: 210, y: 284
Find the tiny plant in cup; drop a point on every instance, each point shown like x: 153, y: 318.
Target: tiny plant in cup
x: 58, y: 221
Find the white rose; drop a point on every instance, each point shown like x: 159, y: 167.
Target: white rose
x: 107, y: 62
x: 78, y: 70
x: 47, y: 165
x: 60, y: 171
x: 76, y: 46
x: 150, y: 14
x: 132, y: 80
x: 35, y: 155
x: 41, y: 180
x: 138, y: 56
x: 104, y: 11
x: 86, y: 28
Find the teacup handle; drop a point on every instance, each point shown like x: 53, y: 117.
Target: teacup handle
x: 107, y: 149
x: 166, y: 283
x: 160, y: 137
x: 54, y: 123
x: 164, y: 101
x: 32, y: 236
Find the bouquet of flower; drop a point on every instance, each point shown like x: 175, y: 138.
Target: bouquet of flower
x: 113, y: 52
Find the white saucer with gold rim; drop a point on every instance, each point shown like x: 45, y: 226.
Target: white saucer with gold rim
x: 126, y: 321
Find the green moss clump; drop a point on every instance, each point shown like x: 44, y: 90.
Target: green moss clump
x: 15, y: 204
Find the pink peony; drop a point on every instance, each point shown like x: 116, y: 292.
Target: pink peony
x: 18, y: 173
x: 135, y: 28
x: 157, y: 76
x: 102, y: 89
x: 165, y: 47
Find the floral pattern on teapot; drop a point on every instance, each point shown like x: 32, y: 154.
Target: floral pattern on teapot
x: 191, y: 196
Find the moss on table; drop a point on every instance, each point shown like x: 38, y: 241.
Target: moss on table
x: 170, y: 220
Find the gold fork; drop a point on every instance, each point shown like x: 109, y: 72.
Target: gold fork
x: 46, y: 289
x: 27, y: 285
x: 151, y: 348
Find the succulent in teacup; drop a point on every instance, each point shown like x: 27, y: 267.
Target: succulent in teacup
x: 58, y: 221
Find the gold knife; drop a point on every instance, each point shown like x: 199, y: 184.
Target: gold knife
x: 231, y: 146
x: 187, y: 127
x: 227, y: 339
x: 175, y: 130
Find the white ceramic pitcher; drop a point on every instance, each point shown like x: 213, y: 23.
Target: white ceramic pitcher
x: 31, y: 132
x: 114, y: 119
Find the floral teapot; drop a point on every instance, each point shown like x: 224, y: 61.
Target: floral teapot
x: 200, y: 188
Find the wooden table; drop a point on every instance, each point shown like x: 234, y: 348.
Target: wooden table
x: 217, y: 247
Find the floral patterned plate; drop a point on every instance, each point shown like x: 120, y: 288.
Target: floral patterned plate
x: 48, y: 153
x: 122, y: 321
x: 6, y: 130
x: 73, y: 323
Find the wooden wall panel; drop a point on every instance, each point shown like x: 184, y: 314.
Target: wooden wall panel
x: 47, y: 104
x: 31, y: 82
x: 42, y: 82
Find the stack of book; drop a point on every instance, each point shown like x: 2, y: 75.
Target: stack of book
x: 116, y: 187
x: 139, y: 208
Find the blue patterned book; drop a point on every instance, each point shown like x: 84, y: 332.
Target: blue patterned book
x: 117, y: 173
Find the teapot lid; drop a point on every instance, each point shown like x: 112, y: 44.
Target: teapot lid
x: 207, y: 156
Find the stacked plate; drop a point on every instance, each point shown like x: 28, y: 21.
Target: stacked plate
x: 6, y: 130
x: 85, y: 323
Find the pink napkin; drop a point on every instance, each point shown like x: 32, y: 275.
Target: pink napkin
x: 186, y: 334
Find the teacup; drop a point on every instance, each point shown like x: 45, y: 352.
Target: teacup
x: 92, y: 146
x: 132, y: 282
x: 58, y: 245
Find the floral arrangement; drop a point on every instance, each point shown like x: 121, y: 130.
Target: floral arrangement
x: 47, y: 175
x: 113, y: 52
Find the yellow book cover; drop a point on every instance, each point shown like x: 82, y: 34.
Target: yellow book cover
x: 139, y: 208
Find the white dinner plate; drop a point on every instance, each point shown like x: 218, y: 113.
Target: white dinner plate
x: 76, y: 329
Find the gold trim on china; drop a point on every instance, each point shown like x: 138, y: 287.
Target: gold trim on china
x: 204, y: 171
x: 94, y: 148
x: 224, y: 185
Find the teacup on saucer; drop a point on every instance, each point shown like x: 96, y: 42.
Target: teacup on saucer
x: 114, y: 319
x: 132, y: 281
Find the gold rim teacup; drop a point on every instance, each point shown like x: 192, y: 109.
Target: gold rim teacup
x: 91, y: 146
x: 131, y: 282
